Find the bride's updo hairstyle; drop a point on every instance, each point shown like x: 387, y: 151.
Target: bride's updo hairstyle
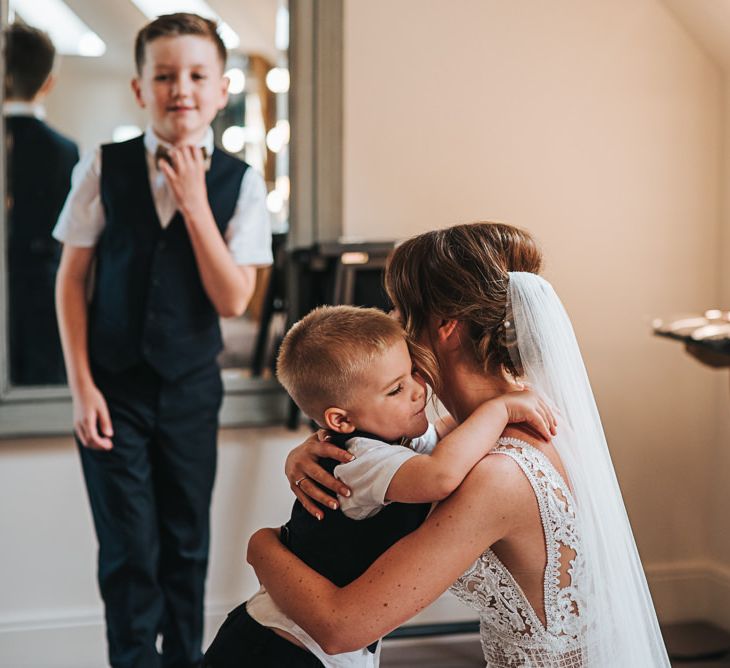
x: 461, y: 273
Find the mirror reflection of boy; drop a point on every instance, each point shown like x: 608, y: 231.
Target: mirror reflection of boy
x: 39, y: 164
x: 176, y: 233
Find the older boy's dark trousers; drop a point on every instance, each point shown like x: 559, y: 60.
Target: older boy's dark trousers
x: 150, y: 498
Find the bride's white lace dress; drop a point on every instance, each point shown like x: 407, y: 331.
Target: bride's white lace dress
x: 512, y: 634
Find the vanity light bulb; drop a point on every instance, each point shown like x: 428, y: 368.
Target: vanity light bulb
x: 277, y: 80
x: 236, y: 80
x: 274, y: 201
x: 275, y: 139
x: 234, y: 138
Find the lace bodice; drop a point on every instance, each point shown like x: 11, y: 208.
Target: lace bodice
x: 512, y: 633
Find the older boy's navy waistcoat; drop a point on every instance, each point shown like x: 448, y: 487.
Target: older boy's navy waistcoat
x: 149, y: 303
x: 341, y: 548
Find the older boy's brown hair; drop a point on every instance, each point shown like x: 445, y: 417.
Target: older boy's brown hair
x: 175, y: 25
x: 324, y: 356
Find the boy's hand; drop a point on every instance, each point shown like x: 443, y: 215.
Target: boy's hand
x: 527, y: 406
x: 186, y: 176
x: 302, y: 468
x: 92, y: 422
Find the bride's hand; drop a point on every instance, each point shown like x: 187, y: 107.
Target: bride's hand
x: 303, y: 471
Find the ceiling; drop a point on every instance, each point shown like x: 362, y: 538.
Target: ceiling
x: 708, y: 21
x: 117, y: 23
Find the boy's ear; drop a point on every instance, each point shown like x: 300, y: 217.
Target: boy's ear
x: 137, y: 90
x: 225, y: 82
x: 338, y: 419
x: 47, y: 86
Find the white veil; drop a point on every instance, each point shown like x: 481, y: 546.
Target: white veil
x: 622, y: 626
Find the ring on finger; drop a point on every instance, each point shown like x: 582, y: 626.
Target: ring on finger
x: 299, y: 482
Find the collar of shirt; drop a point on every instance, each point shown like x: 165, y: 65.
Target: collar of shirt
x: 162, y: 195
x: 152, y: 141
x: 19, y: 108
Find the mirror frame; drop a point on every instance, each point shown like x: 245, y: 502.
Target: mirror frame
x: 315, y: 104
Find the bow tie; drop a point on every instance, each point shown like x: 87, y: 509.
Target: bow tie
x: 161, y: 153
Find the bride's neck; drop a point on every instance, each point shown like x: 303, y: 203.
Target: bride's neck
x: 467, y: 389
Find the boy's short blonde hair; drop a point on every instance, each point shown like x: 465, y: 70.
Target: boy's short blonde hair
x: 324, y: 356
x: 176, y: 25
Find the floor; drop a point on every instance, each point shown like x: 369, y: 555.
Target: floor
x: 691, y: 645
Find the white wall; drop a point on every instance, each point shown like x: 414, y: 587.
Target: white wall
x: 598, y: 126
x: 50, y: 609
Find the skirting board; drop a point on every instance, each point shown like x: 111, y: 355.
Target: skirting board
x: 691, y: 590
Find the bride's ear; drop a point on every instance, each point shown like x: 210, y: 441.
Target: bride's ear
x: 447, y: 331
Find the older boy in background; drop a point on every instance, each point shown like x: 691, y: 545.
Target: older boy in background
x: 176, y: 228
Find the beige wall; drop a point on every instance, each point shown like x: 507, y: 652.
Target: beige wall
x: 599, y: 127
x: 720, y: 453
x: 724, y: 245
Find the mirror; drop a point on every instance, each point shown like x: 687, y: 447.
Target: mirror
x: 91, y: 103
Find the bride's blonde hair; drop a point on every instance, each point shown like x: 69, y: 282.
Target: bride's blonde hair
x: 461, y: 273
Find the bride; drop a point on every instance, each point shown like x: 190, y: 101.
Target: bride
x: 536, y: 539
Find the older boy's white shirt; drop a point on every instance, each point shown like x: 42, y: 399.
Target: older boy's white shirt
x: 82, y: 220
x: 369, y: 474
x: 20, y: 108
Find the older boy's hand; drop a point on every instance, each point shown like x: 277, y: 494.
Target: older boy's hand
x: 302, y: 469
x: 92, y: 422
x: 186, y: 176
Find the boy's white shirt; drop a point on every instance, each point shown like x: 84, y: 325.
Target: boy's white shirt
x: 82, y: 219
x: 368, y: 477
x: 369, y: 474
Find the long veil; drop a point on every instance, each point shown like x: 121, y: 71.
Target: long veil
x: 620, y: 621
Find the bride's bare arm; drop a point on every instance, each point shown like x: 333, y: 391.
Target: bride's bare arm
x: 403, y: 580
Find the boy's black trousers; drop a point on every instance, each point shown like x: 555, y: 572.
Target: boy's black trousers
x: 150, y: 498
x: 242, y: 642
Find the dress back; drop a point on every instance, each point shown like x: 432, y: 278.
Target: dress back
x: 512, y: 633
